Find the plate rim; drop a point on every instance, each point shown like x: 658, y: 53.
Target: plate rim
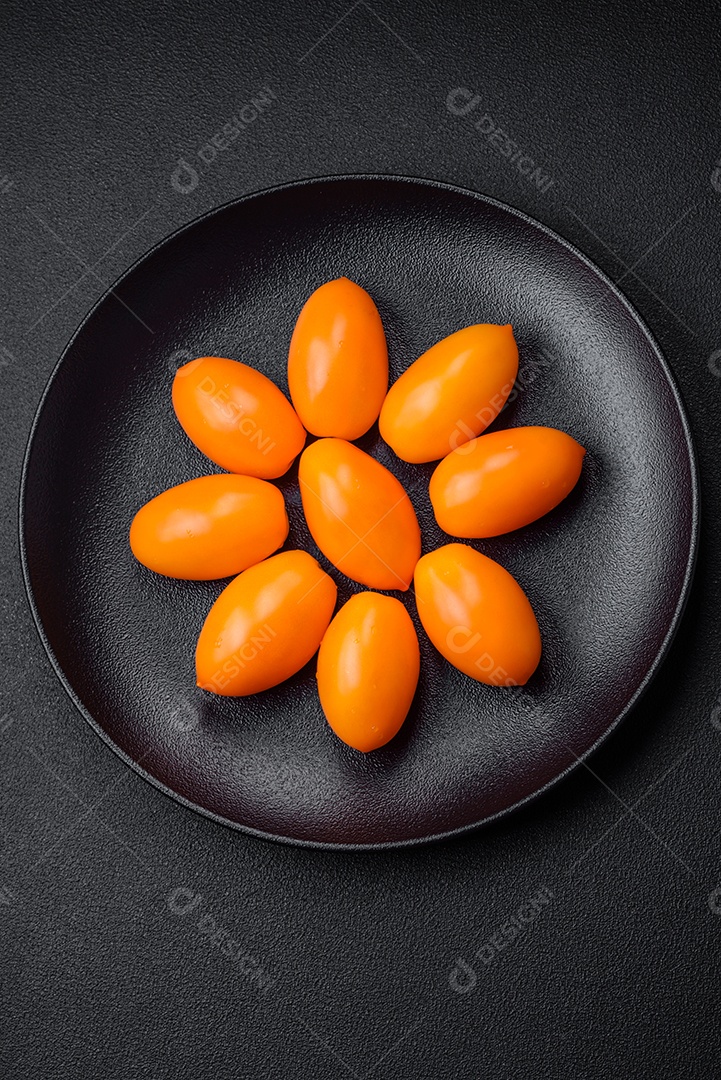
x: 579, y: 760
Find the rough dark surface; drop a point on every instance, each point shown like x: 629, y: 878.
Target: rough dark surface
x: 577, y: 938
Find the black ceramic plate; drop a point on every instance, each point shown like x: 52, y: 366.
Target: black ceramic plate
x: 607, y: 572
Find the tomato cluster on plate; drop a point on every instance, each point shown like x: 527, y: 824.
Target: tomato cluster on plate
x: 277, y: 612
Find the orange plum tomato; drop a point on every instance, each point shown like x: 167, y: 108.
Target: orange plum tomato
x: 451, y: 393
x: 368, y: 668
x: 237, y: 417
x: 477, y: 616
x: 265, y: 625
x: 504, y: 480
x: 212, y: 527
x: 359, y: 515
x: 338, y: 361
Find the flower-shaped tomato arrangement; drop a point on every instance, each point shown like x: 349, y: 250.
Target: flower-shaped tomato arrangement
x: 277, y: 612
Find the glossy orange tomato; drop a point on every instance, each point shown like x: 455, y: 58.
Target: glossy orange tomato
x: 451, y: 393
x: 237, y: 417
x: 368, y: 668
x: 359, y: 515
x: 477, y: 616
x: 338, y: 361
x: 502, y: 481
x: 265, y: 625
x: 209, y: 528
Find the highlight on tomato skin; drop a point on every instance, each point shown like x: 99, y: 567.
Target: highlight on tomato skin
x: 359, y: 514
x: 451, y: 393
x: 211, y: 527
x: 265, y: 625
x: 237, y: 417
x: 477, y: 616
x: 368, y: 668
x: 338, y: 361
x: 504, y: 480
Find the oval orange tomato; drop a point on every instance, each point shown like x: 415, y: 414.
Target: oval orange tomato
x: 237, y: 417
x: 368, y: 668
x: 502, y: 481
x: 451, y: 393
x: 211, y: 527
x: 338, y: 361
x: 477, y: 616
x: 265, y: 625
x: 359, y: 515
